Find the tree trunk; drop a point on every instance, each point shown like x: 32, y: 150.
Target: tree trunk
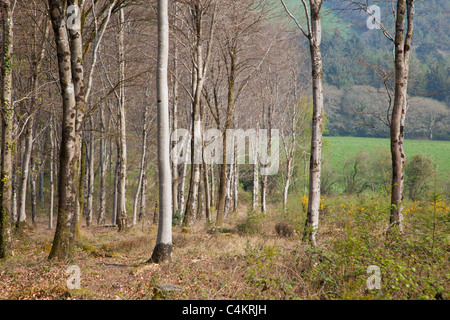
x: 236, y: 182
x: 175, y: 182
x: 7, y: 127
x: 121, y: 205
x: 402, y: 44
x: 52, y: 171
x: 287, y: 183
x: 21, y: 220
x: 33, y: 192
x: 64, y: 240
x: 228, y: 123
x: 312, y: 220
x: 143, y: 203
x: 116, y: 187
x: 163, y: 249
x: 102, y: 198
x: 91, y: 175
x: 255, y: 182
x: 142, y: 170
x: 213, y: 188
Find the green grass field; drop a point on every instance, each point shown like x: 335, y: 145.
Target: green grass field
x: 339, y: 149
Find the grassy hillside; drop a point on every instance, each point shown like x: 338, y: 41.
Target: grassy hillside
x: 339, y: 149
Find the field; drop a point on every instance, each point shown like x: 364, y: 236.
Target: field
x: 339, y: 149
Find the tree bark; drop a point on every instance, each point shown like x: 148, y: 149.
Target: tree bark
x: 102, y: 198
x: 163, y: 249
x: 142, y: 170
x: 91, y: 175
x: 121, y: 206
x: 228, y: 124
x: 22, y: 217
x: 52, y: 171
x: 402, y: 43
x: 7, y: 127
x: 64, y: 240
x: 33, y: 195
x: 312, y: 220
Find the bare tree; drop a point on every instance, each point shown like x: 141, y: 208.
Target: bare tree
x: 314, y: 35
x: 404, y: 22
x: 6, y: 12
x: 122, y: 151
x: 70, y: 68
x: 163, y: 248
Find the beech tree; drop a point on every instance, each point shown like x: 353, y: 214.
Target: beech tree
x: 163, y: 248
x: 69, y: 69
x: 7, y: 111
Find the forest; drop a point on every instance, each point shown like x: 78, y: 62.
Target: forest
x: 224, y: 150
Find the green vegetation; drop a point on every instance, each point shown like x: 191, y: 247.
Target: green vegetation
x: 338, y: 150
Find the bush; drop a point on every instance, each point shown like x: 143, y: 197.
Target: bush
x: 418, y: 174
x: 284, y: 229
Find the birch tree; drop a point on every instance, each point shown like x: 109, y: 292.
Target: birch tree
x: 313, y: 33
x: 403, y: 13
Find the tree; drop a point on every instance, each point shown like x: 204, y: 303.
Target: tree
x: 7, y: 111
x: 122, y: 150
x: 314, y: 35
x: 402, y: 47
x: 404, y: 22
x: 163, y: 249
x: 69, y: 52
x: 200, y: 62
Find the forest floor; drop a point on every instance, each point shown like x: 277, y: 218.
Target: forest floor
x: 247, y: 259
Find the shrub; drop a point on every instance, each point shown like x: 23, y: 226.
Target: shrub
x: 284, y: 229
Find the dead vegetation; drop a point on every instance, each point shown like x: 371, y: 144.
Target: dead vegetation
x: 251, y: 257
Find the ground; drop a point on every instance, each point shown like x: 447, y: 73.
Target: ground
x: 246, y: 259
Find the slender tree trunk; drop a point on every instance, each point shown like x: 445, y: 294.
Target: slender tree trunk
x: 142, y: 170
x: 163, y: 248
x: 175, y: 181
x: 402, y: 44
x: 312, y: 220
x: 41, y: 183
x: 116, y: 187
x: 255, y: 181
x: 183, y: 183
x: 143, y: 202
x: 228, y: 123
x: 91, y: 175
x: 287, y: 183
x: 200, y: 65
x: 21, y: 221
x: 7, y: 142
x: 14, y: 194
x: 213, y: 188
x: 102, y: 198
x: 33, y: 192
x: 235, y: 181
x: 122, y: 213
x: 52, y: 171
x: 81, y: 185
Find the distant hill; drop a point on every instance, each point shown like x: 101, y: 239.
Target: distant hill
x: 349, y: 49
